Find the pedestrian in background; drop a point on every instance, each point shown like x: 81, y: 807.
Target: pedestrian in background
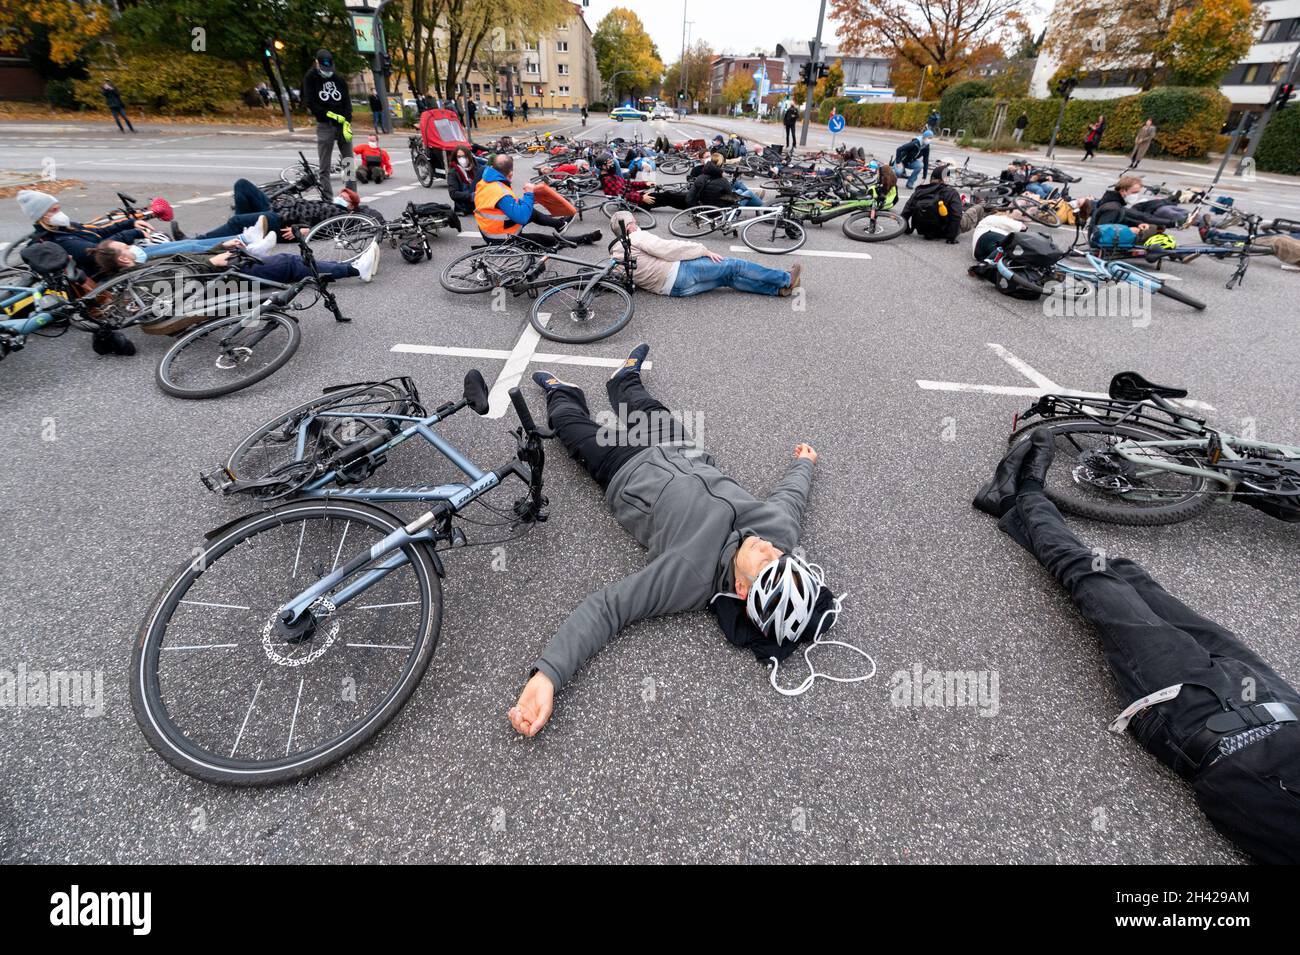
x: 115, y: 106
x: 1093, y: 139
x: 510, y: 111
x: 328, y: 100
x: 1021, y: 122
x: 933, y: 120
x: 377, y: 111
x: 471, y: 110
x: 790, y: 118
x: 1146, y: 135
x: 525, y: 111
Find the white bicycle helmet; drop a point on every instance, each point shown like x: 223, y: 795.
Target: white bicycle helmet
x: 782, y: 598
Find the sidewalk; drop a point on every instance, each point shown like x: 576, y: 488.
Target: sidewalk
x: 884, y: 141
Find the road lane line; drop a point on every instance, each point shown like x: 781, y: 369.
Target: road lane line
x: 1026, y: 369
x: 812, y: 252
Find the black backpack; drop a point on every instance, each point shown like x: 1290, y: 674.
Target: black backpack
x: 934, y: 211
x: 907, y: 152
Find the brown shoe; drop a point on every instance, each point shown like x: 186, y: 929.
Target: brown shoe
x: 796, y: 271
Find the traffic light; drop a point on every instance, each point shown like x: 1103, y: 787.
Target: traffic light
x: 822, y: 70
x: 1282, y: 98
x: 385, y: 64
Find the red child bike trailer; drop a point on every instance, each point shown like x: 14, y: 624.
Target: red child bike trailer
x: 440, y: 133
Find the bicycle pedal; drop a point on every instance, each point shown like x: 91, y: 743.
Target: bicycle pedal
x: 217, y: 480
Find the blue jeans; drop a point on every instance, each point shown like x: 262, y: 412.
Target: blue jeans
x: 747, y: 196
x: 914, y: 167
x: 1041, y: 189
x: 250, y: 202
x: 695, y: 276
x: 178, y: 248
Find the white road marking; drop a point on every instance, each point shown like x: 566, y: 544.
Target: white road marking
x: 812, y: 252
x: 516, y: 362
x: 1042, y: 384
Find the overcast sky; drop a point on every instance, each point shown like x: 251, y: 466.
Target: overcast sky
x: 729, y: 26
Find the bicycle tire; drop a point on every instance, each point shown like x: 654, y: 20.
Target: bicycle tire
x: 494, y: 267
x: 423, y: 168
x: 1164, y: 289
x: 165, y: 372
x: 194, y: 758
x: 887, y: 225
x: 1037, y: 211
x: 295, y: 174
x: 144, y: 296
x: 675, y: 167
x: 780, y: 229
x: 576, y: 332
x: 1196, y: 502
x: 645, y: 219
x: 343, y: 238
x: 378, y: 398
x: 696, y: 222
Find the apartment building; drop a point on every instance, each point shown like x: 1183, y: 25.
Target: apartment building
x: 553, y: 71
x: 864, y: 76
x: 724, y: 68
x: 1249, y: 85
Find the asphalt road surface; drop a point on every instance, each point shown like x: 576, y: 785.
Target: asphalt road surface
x: 670, y: 745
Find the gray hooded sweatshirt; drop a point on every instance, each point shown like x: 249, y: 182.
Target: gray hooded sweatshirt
x: 692, y: 518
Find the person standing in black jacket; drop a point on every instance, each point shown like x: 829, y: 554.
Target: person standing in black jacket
x: 377, y: 112
x: 326, y: 96
x: 471, y: 111
x: 789, y: 119
x: 115, y: 106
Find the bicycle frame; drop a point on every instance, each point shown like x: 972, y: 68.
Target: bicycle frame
x: 427, y: 529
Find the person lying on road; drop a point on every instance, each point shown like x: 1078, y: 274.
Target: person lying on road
x: 53, y: 225
x: 1202, y: 702
x: 680, y: 267
x: 711, y: 543
x: 614, y: 183
x: 112, y: 257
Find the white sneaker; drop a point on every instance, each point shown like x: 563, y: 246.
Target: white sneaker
x: 367, y: 263
x: 1288, y: 267
x: 262, y: 247
x: 254, y: 232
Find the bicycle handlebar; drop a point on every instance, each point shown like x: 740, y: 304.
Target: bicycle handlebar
x: 521, y: 409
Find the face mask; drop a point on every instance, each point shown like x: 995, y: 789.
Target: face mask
x: 138, y: 254
x: 463, y: 162
x: 326, y: 73
x: 60, y: 220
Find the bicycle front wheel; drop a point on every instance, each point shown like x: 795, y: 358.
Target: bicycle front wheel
x: 1038, y: 211
x: 775, y: 236
x: 225, y: 356
x: 221, y: 693
x: 423, y: 168
x: 571, y: 312
x: 343, y: 238
x: 480, y: 270
x: 880, y: 227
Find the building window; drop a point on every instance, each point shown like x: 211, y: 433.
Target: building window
x: 530, y: 67
x: 530, y: 45
x: 561, y: 46
x: 562, y: 69
x: 1279, y: 31
x: 564, y: 91
x: 1252, y: 71
x: 537, y: 90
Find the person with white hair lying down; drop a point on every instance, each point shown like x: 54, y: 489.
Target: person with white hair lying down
x: 679, y: 267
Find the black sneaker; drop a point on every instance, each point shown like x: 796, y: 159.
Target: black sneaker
x: 633, y: 362
x: 177, y: 234
x: 105, y: 341
x: 548, y: 382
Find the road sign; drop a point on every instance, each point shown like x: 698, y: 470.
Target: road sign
x: 836, y: 125
x: 363, y: 28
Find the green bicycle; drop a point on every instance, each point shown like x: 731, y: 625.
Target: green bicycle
x: 1135, y: 458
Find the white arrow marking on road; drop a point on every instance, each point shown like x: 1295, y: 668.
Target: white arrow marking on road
x: 812, y: 252
x: 1042, y: 384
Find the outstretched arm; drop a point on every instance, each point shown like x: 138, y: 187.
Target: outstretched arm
x: 792, y: 493
x: 669, y: 584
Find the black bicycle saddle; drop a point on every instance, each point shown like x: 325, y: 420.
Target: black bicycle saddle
x: 1130, y: 386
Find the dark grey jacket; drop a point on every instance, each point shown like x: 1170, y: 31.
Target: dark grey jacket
x: 692, y: 518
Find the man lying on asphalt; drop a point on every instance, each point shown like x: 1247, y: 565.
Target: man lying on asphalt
x: 1203, y: 703
x: 680, y: 267
x: 711, y: 543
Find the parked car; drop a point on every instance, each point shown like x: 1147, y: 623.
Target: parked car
x: 662, y: 112
x: 628, y: 112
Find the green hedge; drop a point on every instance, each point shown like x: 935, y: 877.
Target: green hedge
x: 955, y: 97
x: 170, y: 83
x: 1279, y: 149
x: 1188, y: 119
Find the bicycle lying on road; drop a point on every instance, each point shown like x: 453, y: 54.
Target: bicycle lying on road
x: 770, y: 229
x: 592, y: 304
x: 235, y: 675
x: 1136, y: 458
x: 346, y: 237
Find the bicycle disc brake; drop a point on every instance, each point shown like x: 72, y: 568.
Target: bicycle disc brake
x: 1103, y: 470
